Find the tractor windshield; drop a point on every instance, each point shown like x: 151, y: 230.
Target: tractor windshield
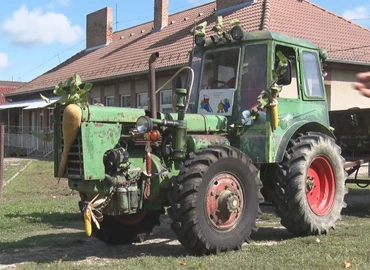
x: 220, y: 68
x: 219, y: 72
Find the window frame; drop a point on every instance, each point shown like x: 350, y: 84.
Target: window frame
x: 106, y: 101
x: 306, y: 95
x: 138, y: 95
x: 129, y: 100
x: 165, y: 105
x: 95, y: 100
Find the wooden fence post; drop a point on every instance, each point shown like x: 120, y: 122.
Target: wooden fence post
x: 1, y: 158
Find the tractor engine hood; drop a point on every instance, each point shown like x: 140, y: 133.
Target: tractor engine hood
x: 200, y: 123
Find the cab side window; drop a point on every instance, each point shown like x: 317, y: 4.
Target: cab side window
x: 291, y: 90
x: 312, y: 75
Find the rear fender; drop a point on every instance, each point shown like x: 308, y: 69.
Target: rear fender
x: 281, y: 142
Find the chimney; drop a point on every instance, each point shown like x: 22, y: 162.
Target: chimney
x: 99, y: 28
x: 233, y: 4
x: 160, y: 14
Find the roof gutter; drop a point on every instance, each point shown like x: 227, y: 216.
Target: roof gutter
x: 351, y: 62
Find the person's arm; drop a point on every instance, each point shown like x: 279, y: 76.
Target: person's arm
x: 363, y: 84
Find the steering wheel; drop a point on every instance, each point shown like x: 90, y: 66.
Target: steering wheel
x: 215, y: 84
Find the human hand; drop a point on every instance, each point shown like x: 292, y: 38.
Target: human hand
x: 363, y: 83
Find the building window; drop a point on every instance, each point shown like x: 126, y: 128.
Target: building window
x: 51, y: 121
x: 142, y: 101
x: 166, y: 101
x: 109, y: 101
x: 95, y: 100
x: 125, y: 101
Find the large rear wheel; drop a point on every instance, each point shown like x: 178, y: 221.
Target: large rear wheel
x: 310, y: 185
x: 215, y: 200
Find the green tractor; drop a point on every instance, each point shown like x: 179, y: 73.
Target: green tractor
x: 206, y: 162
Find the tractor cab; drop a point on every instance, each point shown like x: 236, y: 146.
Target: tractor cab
x: 226, y: 75
x: 233, y: 73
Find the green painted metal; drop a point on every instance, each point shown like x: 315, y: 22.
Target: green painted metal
x: 201, y: 123
x: 107, y: 114
x: 104, y: 128
x: 97, y: 138
x: 90, y: 188
x: 195, y: 142
x: 265, y: 35
x: 277, y: 37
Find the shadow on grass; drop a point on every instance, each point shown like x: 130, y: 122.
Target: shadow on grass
x: 55, y: 219
x: 76, y: 246
x: 73, y: 247
x: 361, y: 211
x: 358, y: 203
x: 272, y: 234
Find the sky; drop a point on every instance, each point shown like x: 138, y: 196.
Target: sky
x: 37, y: 35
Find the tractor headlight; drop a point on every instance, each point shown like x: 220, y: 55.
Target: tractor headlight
x: 237, y: 33
x: 200, y: 40
x: 144, y: 124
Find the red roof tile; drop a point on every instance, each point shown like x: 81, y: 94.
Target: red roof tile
x: 8, y: 87
x: 130, y: 50
x: 327, y: 30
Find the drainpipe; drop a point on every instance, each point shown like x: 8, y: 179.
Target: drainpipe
x: 152, y: 88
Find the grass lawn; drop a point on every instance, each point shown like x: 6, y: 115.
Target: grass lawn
x: 41, y: 228
x: 12, y: 166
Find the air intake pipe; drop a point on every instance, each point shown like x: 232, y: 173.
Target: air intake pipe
x: 152, y: 86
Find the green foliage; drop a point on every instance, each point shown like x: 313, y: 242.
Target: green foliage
x: 218, y: 26
x: 323, y: 55
x: 233, y: 23
x: 199, y: 30
x: 43, y: 136
x: 45, y: 98
x: 254, y: 116
x: 266, y: 96
x: 73, y: 90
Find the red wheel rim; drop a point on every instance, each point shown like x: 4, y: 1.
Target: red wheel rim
x: 131, y: 219
x: 224, y: 202
x: 320, y: 186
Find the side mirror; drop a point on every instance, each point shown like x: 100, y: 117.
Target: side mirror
x: 286, y: 78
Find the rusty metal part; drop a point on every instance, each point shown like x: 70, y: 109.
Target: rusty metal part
x: 224, y: 202
x: 152, y: 88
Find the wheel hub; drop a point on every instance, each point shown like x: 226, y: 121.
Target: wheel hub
x: 232, y: 203
x: 224, y: 201
x: 320, y: 186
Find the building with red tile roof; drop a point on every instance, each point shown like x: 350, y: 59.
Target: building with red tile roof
x: 117, y: 62
x: 7, y: 87
x: 126, y: 53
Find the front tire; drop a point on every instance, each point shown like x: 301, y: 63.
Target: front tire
x: 215, y: 200
x: 310, y: 185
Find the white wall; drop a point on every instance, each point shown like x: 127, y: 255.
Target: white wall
x: 125, y: 88
x: 343, y: 96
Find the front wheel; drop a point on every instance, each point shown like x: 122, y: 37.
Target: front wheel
x: 215, y: 200
x: 310, y: 185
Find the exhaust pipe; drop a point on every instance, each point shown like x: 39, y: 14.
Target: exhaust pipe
x: 152, y: 88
